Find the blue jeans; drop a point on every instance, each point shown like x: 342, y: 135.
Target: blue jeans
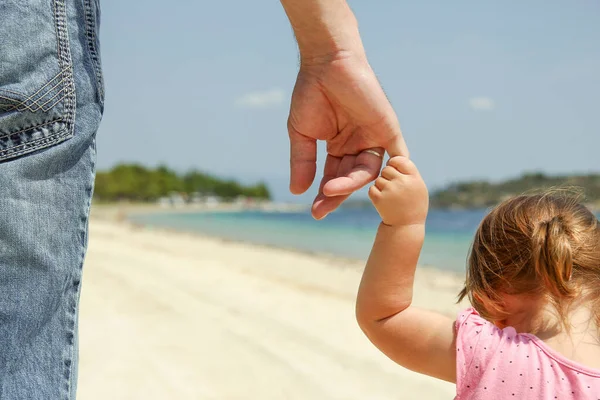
x: 51, y: 102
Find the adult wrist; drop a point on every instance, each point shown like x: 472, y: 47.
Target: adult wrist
x: 319, y: 48
x: 325, y: 30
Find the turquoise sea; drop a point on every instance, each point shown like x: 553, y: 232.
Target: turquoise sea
x: 347, y: 232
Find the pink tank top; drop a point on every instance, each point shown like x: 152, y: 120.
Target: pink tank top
x: 493, y: 363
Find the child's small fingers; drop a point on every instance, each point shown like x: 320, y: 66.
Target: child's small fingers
x: 403, y: 165
x: 390, y: 173
x: 374, y: 193
x: 381, y: 183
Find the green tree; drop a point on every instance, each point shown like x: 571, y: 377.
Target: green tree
x: 133, y: 182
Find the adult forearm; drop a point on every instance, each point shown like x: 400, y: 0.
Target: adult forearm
x: 323, y: 28
x: 387, y: 283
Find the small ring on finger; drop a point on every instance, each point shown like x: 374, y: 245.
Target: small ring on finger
x: 375, y: 153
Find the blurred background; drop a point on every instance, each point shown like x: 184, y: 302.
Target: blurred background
x: 207, y: 279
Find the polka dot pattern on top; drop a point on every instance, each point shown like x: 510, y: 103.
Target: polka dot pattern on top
x: 493, y: 363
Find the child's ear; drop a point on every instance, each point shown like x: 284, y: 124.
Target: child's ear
x: 486, y: 310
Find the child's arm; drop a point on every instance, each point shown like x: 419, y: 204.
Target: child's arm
x: 416, y: 339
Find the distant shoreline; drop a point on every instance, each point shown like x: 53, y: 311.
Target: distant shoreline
x: 114, y: 209
x: 154, y: 208
x: 121, y: 213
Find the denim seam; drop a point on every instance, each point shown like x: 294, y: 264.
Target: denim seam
x: 43, y: 107
x: 30, y: 128
x: 65, y: 64
x: 31, y: 103
x: 27, y: 99
x: 27, y: 147
x: 76, y: 287
x: 91, y: 41
x: 90, y: 27
x: 65, y: 61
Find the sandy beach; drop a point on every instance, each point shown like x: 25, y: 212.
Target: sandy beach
x: 167, y: 315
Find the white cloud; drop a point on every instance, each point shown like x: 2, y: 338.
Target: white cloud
x: 481, y: 103
x: 261, y: 99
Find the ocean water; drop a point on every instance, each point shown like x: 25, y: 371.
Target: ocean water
x: 346, y: 232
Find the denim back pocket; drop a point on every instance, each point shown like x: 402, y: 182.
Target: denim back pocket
x: 37, y: 92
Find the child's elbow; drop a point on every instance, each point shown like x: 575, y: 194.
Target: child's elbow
x: 365, y: 315
x: 370, y: 317
x: 363, y: 318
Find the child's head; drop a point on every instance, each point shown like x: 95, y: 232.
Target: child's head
x: 535, y: 248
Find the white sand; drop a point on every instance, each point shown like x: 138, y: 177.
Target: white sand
x: 174, y: 316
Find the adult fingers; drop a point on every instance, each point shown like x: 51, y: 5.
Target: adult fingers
x: 397, y: 146
x: 324, y: 205
x: 303, y: 161
x: 365, y: 169
x: 344, y: 167
x: 321, y: 207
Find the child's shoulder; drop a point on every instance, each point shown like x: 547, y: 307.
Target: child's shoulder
x: 470, y: 325
x: 469, y: 315
x: 490, y: 360
x: 472, y: 329
x: 483, y: 348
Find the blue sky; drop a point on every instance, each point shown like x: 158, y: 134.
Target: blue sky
x: 482, y: 89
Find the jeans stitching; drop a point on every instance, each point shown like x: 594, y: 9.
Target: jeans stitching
x: 43, y: 107
x: 76, y: 287
x: 26, y: 147
x: 2, y: 136
x: 35, y: 103
x: 65, y: 61
x: 91, y: 41
x: 65, y: 65
x: 40, y: 97
x: 58, y: 100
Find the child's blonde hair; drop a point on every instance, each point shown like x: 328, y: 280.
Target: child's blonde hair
x: 543, y: 244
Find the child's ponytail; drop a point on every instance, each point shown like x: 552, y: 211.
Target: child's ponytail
x: 541, y: 244
x: 552, y: 256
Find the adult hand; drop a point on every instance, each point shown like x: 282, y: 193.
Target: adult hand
x: 339, y: 100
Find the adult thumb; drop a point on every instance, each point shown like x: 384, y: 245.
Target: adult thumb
x: 396, y: 146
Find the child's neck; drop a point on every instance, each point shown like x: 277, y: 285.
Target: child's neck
x: 581, y: 343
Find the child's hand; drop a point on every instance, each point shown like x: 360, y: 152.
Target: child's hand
x: 399, y: 194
